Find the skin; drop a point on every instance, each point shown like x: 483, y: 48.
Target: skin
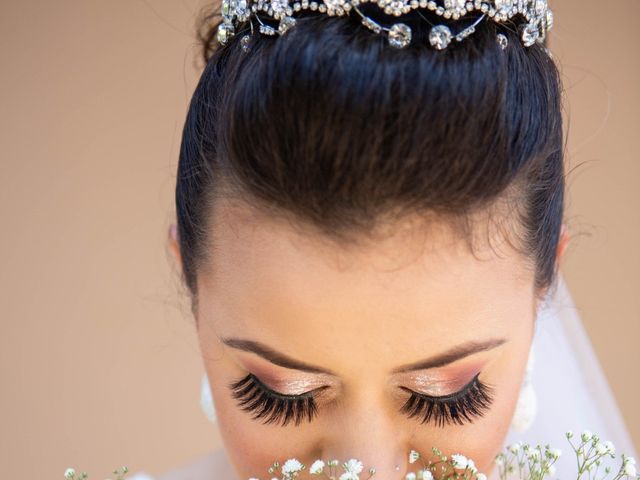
x: 361, y: 312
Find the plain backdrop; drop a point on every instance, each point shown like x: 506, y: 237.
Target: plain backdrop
x: 100, y: 366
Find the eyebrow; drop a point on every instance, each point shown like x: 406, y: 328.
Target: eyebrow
x: 278, y: 358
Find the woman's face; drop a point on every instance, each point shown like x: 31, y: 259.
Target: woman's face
x: 367, y: 329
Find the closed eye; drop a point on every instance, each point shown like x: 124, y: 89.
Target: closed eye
x: 255, y: 397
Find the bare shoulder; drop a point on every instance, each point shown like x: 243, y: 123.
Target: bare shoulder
x: 214, y: 465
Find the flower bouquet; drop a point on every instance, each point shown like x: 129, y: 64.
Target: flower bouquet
x: 519, y: 461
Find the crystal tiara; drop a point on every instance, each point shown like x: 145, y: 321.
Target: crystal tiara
x: 535, y: 18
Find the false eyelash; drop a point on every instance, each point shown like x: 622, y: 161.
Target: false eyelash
x: 255, y: 396
x: 472, y: 401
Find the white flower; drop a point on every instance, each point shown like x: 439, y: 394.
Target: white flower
x: 459, y: 461
x: 425, y: 475
x: 611, y: 448
x: 69, y: 473
x: 349, y: 476
x: 630, y: 469
x: 316, y: 467
x: 353, y: 466
x: 601, y: 448
x: 533, y: 455
x: 471, y: 465
x: 291, y: 466
x: 499, y: 461
x: 333, y: 463
x: 555, y: 453
x: 586, y: 435
x: 410, y: 476
x: 515, y: 448
x: 552, y: 470
x: 413, y: 456
x: 630, y: 460
x: 481, y: 476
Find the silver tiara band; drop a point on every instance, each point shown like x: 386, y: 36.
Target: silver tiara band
x: 538, y: 18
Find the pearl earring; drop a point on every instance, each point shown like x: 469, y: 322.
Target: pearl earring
x: 206, y: 401
x: 527, y: 405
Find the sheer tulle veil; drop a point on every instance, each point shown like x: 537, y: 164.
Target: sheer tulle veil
x: 571, y: 390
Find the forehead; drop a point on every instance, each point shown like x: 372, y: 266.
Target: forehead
x: 269, y: 281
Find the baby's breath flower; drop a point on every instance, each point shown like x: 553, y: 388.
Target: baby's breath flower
x: 630, y: 469
x: 291, y: 466
x: 569, y: 434
x: 333, y: 463
x: 425, y: 475
x: 410, y: 476
x: 611, y: 448
x: 413, y: 456
x: 316, y: 467
x: 349, y: 476
x: 481, y: 476
x: 555, y: 453
x: 630, y: 460
x: 353, y: 466
x: 586, y: 435
x: 514, y: 448
x: 69, y: 473
x: 459, y: 461
x: 471, y: 465
x: 552, y: 470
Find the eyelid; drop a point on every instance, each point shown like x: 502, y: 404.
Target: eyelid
x: 457, y: 393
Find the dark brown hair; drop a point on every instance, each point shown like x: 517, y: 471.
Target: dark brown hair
x: 332, y: 127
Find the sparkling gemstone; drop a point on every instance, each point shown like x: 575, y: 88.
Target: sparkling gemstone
x: 335, y: 6
x: 279, y: 6
x: 459, y: 4
x: 285, y: 24
x: 370, y: 24
x: 267, y: 30
x: 244, y: 41
x: 224, y: 32
x: 502, y: 41
x: 504, y: 6
x: 226, y: 8
x: 440, y: 37
x: 540, y: 6
x: 549, y: 19
x: 529, y: 33
x: 399, y: 35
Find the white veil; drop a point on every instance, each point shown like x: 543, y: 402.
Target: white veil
x: 571, y: 389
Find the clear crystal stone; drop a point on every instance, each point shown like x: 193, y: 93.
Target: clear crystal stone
x: 399, y: 35
x: 502, y: 40
x: 540, y: 7
x: 279, y: 6
x: 334, y: 6
x: 549, y: 19
x: 267, y: 30
x: 529, y: 33
x: 440, y: 37
x: 244, y: 41
x: 285, y: 24
x: 459, y: 4
x: 371, y: 25
x: 504, y: 6
x: 224, y: 32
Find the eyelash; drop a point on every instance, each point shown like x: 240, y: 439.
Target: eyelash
x: 473, y: 400
x: 254, y: 396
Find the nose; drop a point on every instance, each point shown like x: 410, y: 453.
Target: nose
x: 375, y: 438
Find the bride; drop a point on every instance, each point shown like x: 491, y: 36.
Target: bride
x: 370, y: 226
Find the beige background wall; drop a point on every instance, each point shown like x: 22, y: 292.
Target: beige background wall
x: 99, y: 361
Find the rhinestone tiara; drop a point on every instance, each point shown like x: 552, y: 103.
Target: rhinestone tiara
x: 535, y: 18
